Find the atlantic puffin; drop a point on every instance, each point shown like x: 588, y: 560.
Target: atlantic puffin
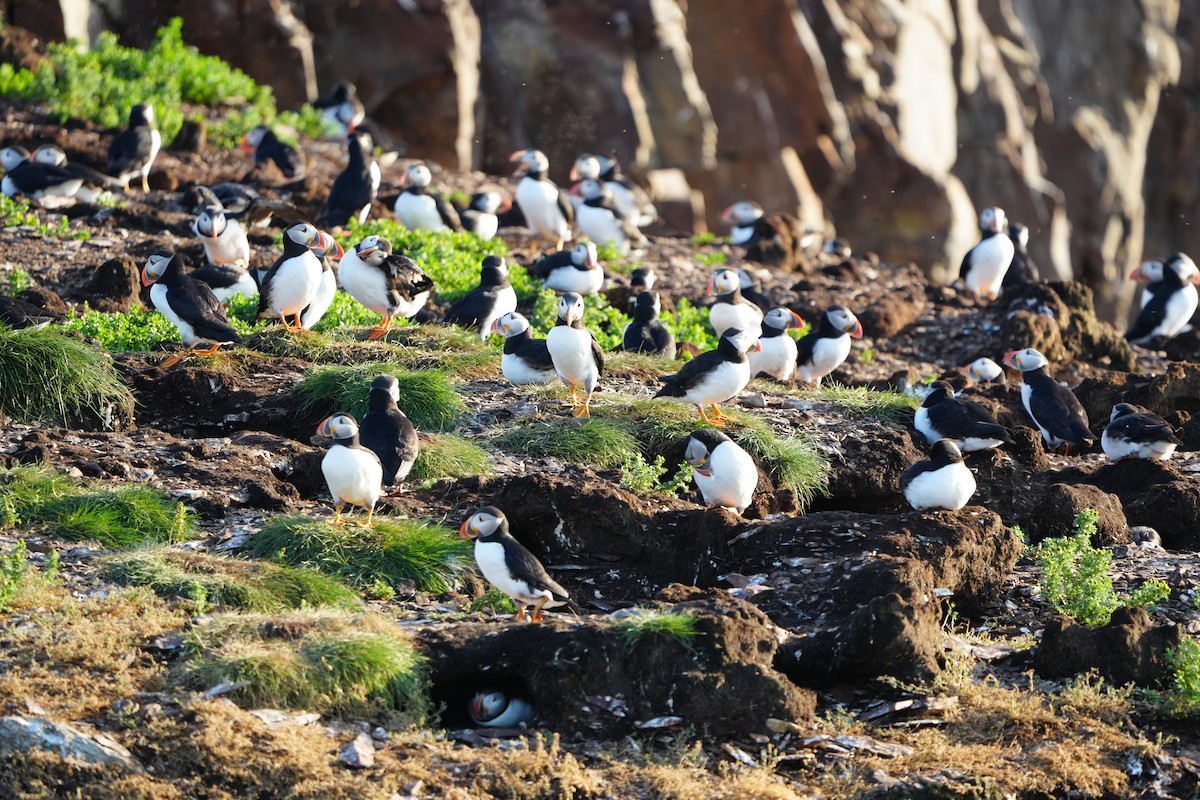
x: 18, y: 313
x: 243, y: 203
x: 713, y: 376
x: 576, y: 270
x: 355, y: 187
x: 498, y: 709
x: 416, y: 207
x: 984, y: 370
x: 227, y: 280
x: 642, y: 279
x: 387, y: 432
x: 481, y: 216
x: 964, y: 422
x: 95, y: 184
x: 224, y: 238
x: 752, y: 290
x: 525, y: 360
x: 984, y: 266
x: 133, y: 150
x: 341, y: 110
x: 326, y: 289
x: 1172, y: 305
x: 1054, y: 409
x: 773, y: 239
x: 599, y: 219
x: 492, y: 298
x: 823, y: 350
x: 261, y: 142
x: 1133, y: 432
x: 645, y: 333
x: 508, y: 566
x: 731, y: 310
x: 1150, y: 274
x: 1022, y: 270
x: 942, y: 482
x: 777, y: 358
x: 546, y: 208
x: 632, y: 201
x: 36, y: 180
x: 725, y: 474
x: 353, y: 473
x: 189, y: 304
x: 391, y: 285
x: 294, y: 279
x: 576, y: 355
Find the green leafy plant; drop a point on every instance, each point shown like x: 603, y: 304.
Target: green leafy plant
x: 12, y: 574
x: 16, y: 282
x: 644, y: 623
x: 714, y: 259
x: 703, y: 238
x: 639, y: 475
x: 1183, y: 699
x: 859, y: 401
x: 17, y: 212
x: 494, y: 600
x: 689, y: 325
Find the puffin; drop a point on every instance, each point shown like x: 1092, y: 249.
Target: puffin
x: 731, y: 310
x: 599, y: 219
x: 546, y: 208
x: 1133, y: 432
x: 352, y: 472
x: 984, y: 266
x: 223, y: 237
x: 1022, y: 270
x: 630, y: 199
x: 777, y: 358
x: 576, y: 355
x: 646, y: 333
x: 984, y: 370
x: 17, y: 313
x: 417, y: 208
x: 226, y: 280
x: 508, y: 566
x: 189, y: 304
x: 264, y: 145
x: 964, y: 422
x: 133, y: 150
x: 355, y: 187
x: 1172, y: 304
x: 481, y: 216
x: 776, y: 240
x: 1054, y: 409
x: 492, y: 298
x: 942, y: 482
x: 96, y: 184
x: 34, y: 179
x: 725, y: 474
x: 1150, y: 275
x: 341, y: 110
x: 576, y: 270
x: 498, y: 709
x: 751, y: 290
x: 242, y: 203
x: 713, y: 376
x: 820, y: 352
x: 388, y: 433
x: 391, y: 285
x: 642, y: 280
x: 525, y: 359
x: 292, y: 282
x: 326, y: 290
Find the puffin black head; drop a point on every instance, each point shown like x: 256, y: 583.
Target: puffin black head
x: 1184, y: 268
x: 842, y: 320
x: 12, y: 157
x: 647, y: 307
x: 1019, y: 235
x: 373, y: 249
x: 486, y: 523
x: 642, y: 278
x: 570, y: 308
x: 700, y: 446
x: 782, y: 319
x: 585, y: 256
x: 493, y: 272
x: 939, y: 392
x: 359, y: 144
x: 1124, y: 410
x: 723, y: 281
x: 1026, y: 360
x: 586, y: 167
x: 417, y: 176
x: 742, y: 213
x: 992, y: 220
x: 158, y: 265
x: 50, y: 154
x: 141, y: 115
x: 339, y: 426
x: 945, y: 451
x: 591, y: 189
x: 386, y: 385
x: 210, y: 223
x: 510, y: 324
x: 735, y: 342
x: 490, y: 202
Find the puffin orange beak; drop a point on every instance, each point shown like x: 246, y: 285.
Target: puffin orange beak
x: 757, y: 347
x: 574, y: 172
x: 245, y: 143
x: 463, y: 533
x: 797, y: 322
x: 856, y: 332
x: 328, y: 242
x: 146, y: 279
x: 710, y: 288
x: 477, y: 709
x: 496, y: 326
x: 727, y: 216
x: 1010, y: 358
x: 505, y: 203
x: 522, y: 168
x: 1136, y: 275
x: 368, y: 251
x: 324, y: 429
x: 575, y: 191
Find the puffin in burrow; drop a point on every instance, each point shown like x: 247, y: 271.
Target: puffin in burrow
x: 1022, y: 270
x: 547, y: 208
x: 969, y: 425
x: 387, y: 432
x: 323, y: 297
x: 576, y: 270
x: 390, y: 284
x: 713, y: 376
x: 96, y: 184
x: 632, y: 201
x: 417, y: 207
x: 341, y: 110
x: 1054, y: 409
x: 189, y: 304
x: 223, y: 237
x: 355, y: 187
x: 823, y: 350
x: 291, y: 283
x: 985, y: 265
x: 492, y: 298
x: 645, y: 333
x: 36, y: 180
x: 752, y: 290
x: 1133, y: 432
x: 481, y: 216
x: 942, y: 482
x: 352, y: 472
x: 132, y: 151
x: 777, y: 357
x: 575, y: 353
x: 984, y: 370
x: 731, y: 309
x: 499, y: 709
x: 508, y: 566
x: 525, y: 360
x: 725, y: 474
x: 1172, y: 304
x: 776, y: 240
x: 599, y: 219
x: 261, y: 142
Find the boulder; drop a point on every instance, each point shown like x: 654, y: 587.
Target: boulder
x: 1056, y: 510
x: 1129, y: 649
x: 19, y: 735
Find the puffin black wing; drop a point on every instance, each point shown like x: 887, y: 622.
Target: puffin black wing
x: 967, y: 417
x: 1143, y: 429
x: 448, y: 213
x: 392, y: 437
x: 534, y: 353
x: 194, y: 302
x: 405, y: 279
x: 690, y: 374
x: 469, y: 309
x: 1055, y: 405
x: 566, y: 206
x: 218, y: 276
x: 598, y: 356
x: 523, y: 565
x: 805, y: 346
x: 17, y: 313
x: 542, y: 268
x: 130, y: 149
x: 351, y: 191
x: 1149, y: 318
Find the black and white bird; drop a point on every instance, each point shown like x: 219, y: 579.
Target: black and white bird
x: 95, y: 184
x: 355, y: 187
x: 294, y: 280
x: 713, y: 376
x: 36, y: 180
x: 631, y: 200
x: 227, y: 280
x: 752, y: 289
x: 492, y: 298
x: 352, y: 472
x: 576, y: 270
x: 546, y: 207
x: 189, y: 304
x: 327, y: 287
x: 742, y: 217
x: 223, y: 237
x: 387, y: 432
x: 964, y: 422
x: 1022, y: 270
x: 984, y: 266
x: 576, y: 355
x: 508, y: 566
x: 777, y: 358
x: 942, y: 482
x: 499, y: 709
x: 482, y: 215
x: 777, y: 239
x: 391, y: 285
x: 132, y: 151
x: 1150, y: 275
x: 261, y: 142
x: 18, y: 313
x: 525, y: 359
x: 1172, y: 304
x: 823, y: 350
x: 642, y: 279
x: 731, y: 310
x: 725, y: 474
x: 1133, y: 432
x: 416, y: 207
x: 600, y: 219
x: 645, y: 333
x: 984, y: 370
x: 341, y: 110
x: 1054, y: 409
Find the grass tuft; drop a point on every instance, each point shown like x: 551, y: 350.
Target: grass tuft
x: 862, y: 402
x: 602, y: 443
x: 642, y: 623
x: 426, y: 396
x: 449, y: 456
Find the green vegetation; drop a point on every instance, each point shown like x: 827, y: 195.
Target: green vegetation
x: 601, y: 443
x: 714, y: 259
x: 427, y: 397
x: 704, y: 238
x: 45, y: 375
x: 448, y: 456
x: 638, y: 475
x: 17, y: 212
x: 15, y: 577
x: 1184, y: 697
x: 859, y: 401
x: 688, y: 324
x: 642, y: 623
x: 495, y: 601
x: 16, y: 281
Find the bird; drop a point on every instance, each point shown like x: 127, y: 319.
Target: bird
x: 776, y: 240
x: 497, y: 709
x: 341, y: 110
x: 942, y: 482
x: 492, y: 298
x: 223, y: 237
x: 984, y: 266
x: 964, y: 422
x: 417, y: 208
x: 599, y: 219
x: 777, y: 357
x: 731, y: 310
x: 17, y: 313
x: 355, y: 187
x: 1172, y: 305
x: 292, y: 282
x: 388, y: 433
x: 133, y: 150
x: 751, y: 290
x: 642, y: 279
x: 1054, y: 409
x: 352, y: 472
x: 226, y: 280
x: 243, y: 203
x: 713, y: 376
x: 576, y: 270
x: 95, y: 184
x: 645, y: 333
x: 546, y: 208
x: 1133, y: 432
x: 1150, y: 275
x: 36, y: 180
x: 525, y: 360
x: 481, y: 216
x: 508, y: 566
x: 1022, y: 270
x: 326, y: 289
x: 391, y: 285
x: 189, y: 304
x: 823, y: 350
x: 725, y: 474
x: 576, y: 355
x: 261, y: 142
x: 984, y: 370
x: 630, y: 199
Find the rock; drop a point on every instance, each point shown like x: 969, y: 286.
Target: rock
x: 1054, y: 513
x: 1129, y: 649
x: 20, y: 47
x: 864, y: 474
x: 898, y: 310
x: 19, y: 735
x: 192, y: 137
x: 1155, y: 494
x: 112, y: 287
x: 359, y: 752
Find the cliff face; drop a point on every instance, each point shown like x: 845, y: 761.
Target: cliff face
x: 895, y: 121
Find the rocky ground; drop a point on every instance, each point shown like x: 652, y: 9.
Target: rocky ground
x: 855, y: 649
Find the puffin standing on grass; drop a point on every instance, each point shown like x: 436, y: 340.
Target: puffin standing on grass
x: 777, y: 357
x: 1133, y: 432
x: 482, y: 214
x: 731, y: 310
x: 964, y: 422
x: 189, y: 304
x: 391, y: 285
x: 322, y: 298
x: 1054, y: 409
x: 1171, y: 305
x: 417, y: 208
x: 713, y: 376
x: 133, y: 150
x: 526, y: 359
x: 646, y: 333
x: 388, y: 433
x: 820, y: 352
x: 985, y: 265
x: 355, y: 187
x: 508, y: 566
x: 576, y: 270
x: 292, y: 282
x: 942, y: 482
x: 264, y: 145
x: 725, y: 474
x: 547, y: 208
x: 352, y: 472
x: 492, y: 298
x: 576, y: 355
